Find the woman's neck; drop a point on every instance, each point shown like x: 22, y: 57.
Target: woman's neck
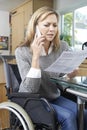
x: 46, y: 46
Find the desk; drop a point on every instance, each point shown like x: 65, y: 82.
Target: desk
x: 78, y: 87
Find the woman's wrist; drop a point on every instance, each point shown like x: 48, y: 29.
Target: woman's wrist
x: 35, y: 62
x: 66, y: 76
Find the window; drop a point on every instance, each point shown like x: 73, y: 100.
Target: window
x: 74, y: 27
x: 67, y: 27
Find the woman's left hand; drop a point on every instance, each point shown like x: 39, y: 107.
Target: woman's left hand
x: 73, y: 74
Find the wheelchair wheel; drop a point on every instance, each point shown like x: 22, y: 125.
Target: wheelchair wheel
x: 21, y: 120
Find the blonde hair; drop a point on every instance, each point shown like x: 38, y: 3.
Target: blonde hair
x: 40, y: 14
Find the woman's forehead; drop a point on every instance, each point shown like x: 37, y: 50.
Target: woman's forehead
x: 48, y: 17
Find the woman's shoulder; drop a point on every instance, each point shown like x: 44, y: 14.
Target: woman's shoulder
x: 21, y: 49
x: 64, y: 44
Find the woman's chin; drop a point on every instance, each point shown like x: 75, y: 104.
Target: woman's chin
x: 49, y: 39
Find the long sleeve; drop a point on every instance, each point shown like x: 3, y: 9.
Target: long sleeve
x: 29, y: 84
x: 34, y: 73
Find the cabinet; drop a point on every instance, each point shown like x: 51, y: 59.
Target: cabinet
x: 20, y: 17
x: 4, y: 114
x: 17, y: 29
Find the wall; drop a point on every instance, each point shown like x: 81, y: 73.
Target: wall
x: 4, y: 23
x: 64, y: 5
x: 4, y: 31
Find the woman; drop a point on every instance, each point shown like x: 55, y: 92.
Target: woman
x: 40, y: 49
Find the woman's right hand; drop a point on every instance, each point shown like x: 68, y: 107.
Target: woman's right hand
x: 37, y: 45
x: 36, y: 49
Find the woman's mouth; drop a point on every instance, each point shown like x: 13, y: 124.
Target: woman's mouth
x: 50, y: 35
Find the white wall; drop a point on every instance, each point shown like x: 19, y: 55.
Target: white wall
x: 4, y: 23
x: 64, y: 5
x: 4, y: 28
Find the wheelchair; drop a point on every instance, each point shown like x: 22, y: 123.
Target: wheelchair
x: 20, y: 113
x: 38, y: 108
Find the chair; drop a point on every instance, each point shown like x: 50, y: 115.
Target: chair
x: 84, y: 45
x: 39, y: 110
x: 83, y: 65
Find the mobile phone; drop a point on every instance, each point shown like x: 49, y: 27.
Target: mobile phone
x: 38, y: 33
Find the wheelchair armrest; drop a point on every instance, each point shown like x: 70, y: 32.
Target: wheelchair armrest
x: 23, y: 95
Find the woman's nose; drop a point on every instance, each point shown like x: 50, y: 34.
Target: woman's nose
x: 51, y: 28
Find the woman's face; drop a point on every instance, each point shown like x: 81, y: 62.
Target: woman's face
x: 49, y: 27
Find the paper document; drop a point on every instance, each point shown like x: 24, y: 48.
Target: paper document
x: 68, y: 61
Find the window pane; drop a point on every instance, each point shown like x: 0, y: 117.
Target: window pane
x: 80, y: 30
x: 67, y: 27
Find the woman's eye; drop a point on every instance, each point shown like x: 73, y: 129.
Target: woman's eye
x: 46, y: 25
x: 55, y: 25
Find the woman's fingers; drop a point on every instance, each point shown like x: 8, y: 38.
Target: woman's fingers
x: 37, y: 44
x: 73, y: 74
x: 41, y: 40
